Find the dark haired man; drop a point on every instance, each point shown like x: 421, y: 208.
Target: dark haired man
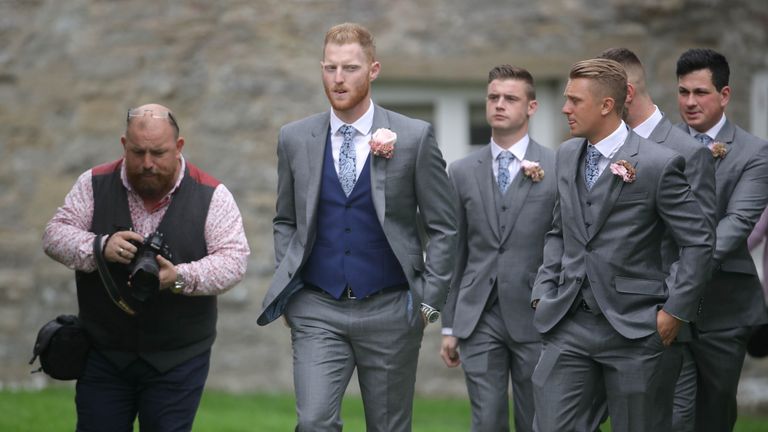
x: 506, y: 193
x: 732, y: 301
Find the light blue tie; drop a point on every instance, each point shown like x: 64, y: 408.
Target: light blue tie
x: 704, y: 139
x: 347, y: 165
x: 591, y: 171
x: 503, y: 178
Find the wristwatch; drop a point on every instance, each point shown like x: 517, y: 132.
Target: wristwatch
x: 178, y: 285
x: 430, y: 313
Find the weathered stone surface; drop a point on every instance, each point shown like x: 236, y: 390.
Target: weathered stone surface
x: 234, y: 71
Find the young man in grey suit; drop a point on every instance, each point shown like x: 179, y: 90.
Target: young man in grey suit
x: 352, y: 277
x: 604, y: 303
x: 732, y: 301
x: 506, y: 194
x: 646, y: 120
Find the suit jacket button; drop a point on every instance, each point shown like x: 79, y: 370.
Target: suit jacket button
x: 490, y: 281
x: 578, y: 281
x: 589, y: 249
x: 501, y: 250
x: 346, y: 252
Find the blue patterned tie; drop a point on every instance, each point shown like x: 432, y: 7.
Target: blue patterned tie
x: 591, y: 171
x: 347, y: 166
x: 503, y: 178
x: 704, y: 139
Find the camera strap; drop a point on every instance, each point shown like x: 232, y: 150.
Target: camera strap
x: 106, y: 278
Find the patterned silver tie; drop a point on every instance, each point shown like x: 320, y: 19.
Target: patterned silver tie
x: 704, y: 139
x: 591, y: 170
x: 347, y: 165
x: 503, y: 178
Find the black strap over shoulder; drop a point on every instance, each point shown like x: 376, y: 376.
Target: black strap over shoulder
x: 106, y: 278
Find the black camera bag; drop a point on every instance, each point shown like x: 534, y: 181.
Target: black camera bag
x: 62, y: 346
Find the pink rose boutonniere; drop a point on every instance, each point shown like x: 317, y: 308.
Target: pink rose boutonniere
x: 532, y: 170
x: 718, y: 149
x: 625, y: 170
x: 383, y: 143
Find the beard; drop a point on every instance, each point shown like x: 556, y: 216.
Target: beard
x: 151, y: 185
x: 353, y: 97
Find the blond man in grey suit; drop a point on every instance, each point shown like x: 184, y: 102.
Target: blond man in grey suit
x: 733, y: 301
x: 646, y: 120
x: 352, y: 277
x: 604, y: 303
x: 506, y: 194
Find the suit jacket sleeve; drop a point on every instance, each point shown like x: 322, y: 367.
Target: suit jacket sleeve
x: 435, y: 199
x: 548, y: 276
x: 700, y: 170
x: 284, y: 222
x: 745, y: 205
x: 688, y: 225
x: 461, y: 256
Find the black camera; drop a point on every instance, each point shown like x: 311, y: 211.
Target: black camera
x: 143, y: 269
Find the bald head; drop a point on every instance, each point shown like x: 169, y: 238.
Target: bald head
x: 151, y: 115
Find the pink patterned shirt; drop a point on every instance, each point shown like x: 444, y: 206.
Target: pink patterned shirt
x: 67, y: 238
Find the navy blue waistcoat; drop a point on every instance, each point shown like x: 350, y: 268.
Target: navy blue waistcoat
x: 350, y: 247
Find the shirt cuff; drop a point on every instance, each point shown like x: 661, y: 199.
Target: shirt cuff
x: 446, y: 331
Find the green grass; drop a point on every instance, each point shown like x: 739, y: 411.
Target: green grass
x: 53, y: 410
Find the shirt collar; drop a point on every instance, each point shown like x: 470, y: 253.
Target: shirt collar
x: 645, y: 128
x: 127, y: 185
x: 362, y: 125
x: 609, y: 145
x: 518, y: 149
x: 712, y: 132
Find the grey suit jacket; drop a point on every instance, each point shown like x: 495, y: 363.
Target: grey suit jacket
x: 741, y: 177
x: 488, y: 255
x: 622, y: 256
x: 411, y: 194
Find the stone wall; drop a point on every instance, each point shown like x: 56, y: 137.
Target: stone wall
x: 234, y: 71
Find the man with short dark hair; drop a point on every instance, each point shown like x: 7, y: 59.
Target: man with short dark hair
x: 506, y: 194
x: 604, y: 303
x: 732, y: 301
x: 151, y: 350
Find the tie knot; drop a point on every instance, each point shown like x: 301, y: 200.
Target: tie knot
x: 505, y: 157
x: 593, y: 154
x: 704, y: 138
x: 347, y: 131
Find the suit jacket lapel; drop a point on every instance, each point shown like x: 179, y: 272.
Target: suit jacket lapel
x: 315, y: 152
x: 725, y: 136
x: 572, y: 176
x: 520, y: 187
x: 486, y: 183
x: 379, y: 166
x: 628, y: 152
x: 661, y: 131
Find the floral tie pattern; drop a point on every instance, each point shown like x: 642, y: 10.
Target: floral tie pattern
x: 503, y: 177
x: 347, y: 162
x: 591, y: 170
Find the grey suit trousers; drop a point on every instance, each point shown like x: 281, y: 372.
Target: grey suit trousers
x: 489, y: 357
x: 380, y: 336
x: 582, y: 351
